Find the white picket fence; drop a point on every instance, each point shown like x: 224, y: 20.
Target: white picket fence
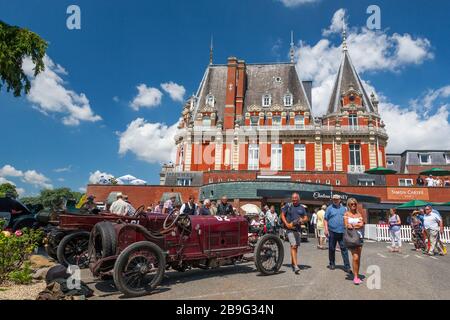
x: 381, y: 233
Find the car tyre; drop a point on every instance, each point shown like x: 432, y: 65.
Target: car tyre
x: 269, y: 254
x: 75, y: 244
x: 134, y: 264
x: 102, y: 242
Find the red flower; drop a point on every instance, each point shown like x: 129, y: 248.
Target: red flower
x: 18, y: 233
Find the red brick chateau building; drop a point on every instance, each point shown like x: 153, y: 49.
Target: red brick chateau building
x: 249, y: 133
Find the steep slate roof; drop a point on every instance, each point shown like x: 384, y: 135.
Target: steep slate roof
x: 260, y: 80
x: 346, y: 77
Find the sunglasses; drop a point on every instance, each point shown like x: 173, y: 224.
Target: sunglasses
x: 353, y: 204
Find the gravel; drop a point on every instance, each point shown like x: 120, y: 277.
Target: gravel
x: 22, y: 292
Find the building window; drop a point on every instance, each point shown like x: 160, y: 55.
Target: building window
x: 338, y: 182
x: 288, y: 100
x: 276, y: 121
x: 266, y: 100
x: 447, y: 158
x: 405, y: 182
x: 184, y: 182
x: 390, y: 162
x: 299, y: 157
x: 318, y: 181
x: 206, y: 122
x: 254, y: 121
x: 299, y: 121
x: 328, y: 182
x: 210, y: 100
x: 353, y: 121
x: 276, y: 157
x: 355, y: 154
x: 253, y: 157
x: 425, y: 158
x: 366, y: 183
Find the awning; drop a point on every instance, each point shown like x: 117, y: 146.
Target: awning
x: 322, y: 195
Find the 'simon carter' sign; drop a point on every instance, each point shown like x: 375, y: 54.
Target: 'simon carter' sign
x: 407, y: 194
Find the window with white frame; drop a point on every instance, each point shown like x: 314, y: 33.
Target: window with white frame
x: 276, y: 121
x: 299, y: 121
x: 266, y: 100
x: 253, y: 157
x: 353, y: 121
x: 355, y: 154
x: 210, y: 100
x: 390, y: 162
x: 405, y: 182
x: 276, y: 158
x: 425, y: 158
x: 299, y: 157
x: 184, y: 181
x: 288, y: 100
x: 447, y: 158
x: 206, y: 122
x: 338, y: 182
x: 366, y: 183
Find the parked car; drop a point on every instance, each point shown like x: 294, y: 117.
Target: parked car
x: 16, y: 215
x: 137, y: 254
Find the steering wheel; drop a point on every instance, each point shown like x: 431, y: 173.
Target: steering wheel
x: 139, y: 212
x: 170, y: 215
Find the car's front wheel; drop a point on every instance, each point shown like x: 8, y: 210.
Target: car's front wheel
x: 139, y: 269
x: 269, y: 254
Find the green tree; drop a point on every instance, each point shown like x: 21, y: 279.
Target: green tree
x: 15, y: 44
x: 52, y: 198
x: 8, y: 189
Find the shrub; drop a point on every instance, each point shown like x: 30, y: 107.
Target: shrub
x: 15, y: 249
x: 23, y: 275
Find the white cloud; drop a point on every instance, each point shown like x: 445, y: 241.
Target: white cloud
x: 147, y: 97
x: 337, y: 23
x: 82, y: 189
x: 412, y: 126
x: 150, y: 142
x: 99, y: 177
x: 371, y: 51
x: 408, y: 129
x: 175, y: 91
x: 4, y: 180
x: 295, y: 3
x: 49, y: 95
x: 64, y: 169
x: 37, y: 179
x: 10, y: 171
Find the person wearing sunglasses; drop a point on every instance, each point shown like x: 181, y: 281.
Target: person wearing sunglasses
x: 354, y: 220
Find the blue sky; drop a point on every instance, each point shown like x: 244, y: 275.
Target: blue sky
x: 123, y: 44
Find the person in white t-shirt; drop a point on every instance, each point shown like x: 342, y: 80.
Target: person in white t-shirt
x: 430, y: 181
x: 433, y: 224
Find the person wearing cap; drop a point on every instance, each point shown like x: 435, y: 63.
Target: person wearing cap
x: 321, y: 227
x: 119, y: 207
x: 334, y: 230
x: 169, y: 205
x: 89, y: 206
x: 433, y: 225
x: 131, y: 209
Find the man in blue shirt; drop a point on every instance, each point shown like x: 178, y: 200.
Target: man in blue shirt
x: 293, y: 215
x: 334, y: 230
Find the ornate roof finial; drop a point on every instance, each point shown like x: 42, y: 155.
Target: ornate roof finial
x: 344, y: 34
x: 211, y: 51
x: 292, y: 51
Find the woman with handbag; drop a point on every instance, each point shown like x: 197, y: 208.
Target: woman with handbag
x: 353, y: 237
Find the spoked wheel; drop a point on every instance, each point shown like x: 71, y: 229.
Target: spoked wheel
x: 73, y: 249
x: 139, y: 269
x: 269, y: 254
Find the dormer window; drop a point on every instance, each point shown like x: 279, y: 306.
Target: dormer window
x: 266, y: 100
x: 210, y: 100
x: 288, y: 100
